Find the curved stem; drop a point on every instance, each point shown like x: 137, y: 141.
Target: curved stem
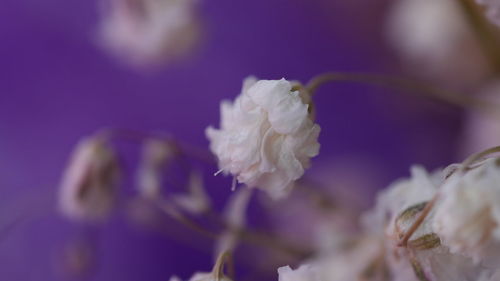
x: 218, y: 270
x: 246, y: 235
x: 420, y: 219
x: 139, y: 136
x: 261, y: 238
x: 389, y: 81
x: 465, y: 165
x: 474, y: 157
x: 173, y: 213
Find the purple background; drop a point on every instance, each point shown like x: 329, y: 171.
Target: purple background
x: 56, y: 86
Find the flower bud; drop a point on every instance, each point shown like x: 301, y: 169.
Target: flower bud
x: 88, y: 187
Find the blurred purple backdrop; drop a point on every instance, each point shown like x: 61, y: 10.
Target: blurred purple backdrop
x: 56, y: 86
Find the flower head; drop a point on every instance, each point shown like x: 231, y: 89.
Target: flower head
x: 468, y: 215
x: 266, y: 137
x: 88, y: 190
x: 157, y: 155
x: 149, y: 32
x: 303, y: 273
x: 402, y: 199
x: 492, y: 10
x: 431, y: 37
x: 201, y: 276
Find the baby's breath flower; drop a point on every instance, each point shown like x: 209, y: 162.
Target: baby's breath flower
x: 468, y: 215
x: 196, y: 200
x: 398, y: 197
x: 266, y: 137
x: 201, y: 276
x: 492, y: 10
x: 157, y: 155
x: 303, y: 273
x: 431, y: 36
x: 481, y: 130
x: 145, y: 32
x: 88, y: 187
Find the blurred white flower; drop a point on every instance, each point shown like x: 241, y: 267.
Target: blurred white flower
x: 156, y: 157
x: 196, y: 201
x: 364, y: 260
x: 201, y: 276
x: 482, y: 130
x: 266, y: 137
x: 400, y: 196
x: 303, y: 273
x: 432, y: 36
x: 436, y: 264
x: 149, y: 32
x: 89, y: 183
x: 468, y: 216
x: 492, y: 10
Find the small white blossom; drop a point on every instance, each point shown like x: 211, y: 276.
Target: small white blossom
x: 303, y: 273
x: 398, y: 197
x: 156, y: 157
x: 431, y: 37
x: 196, y: 201
x: 149, y: 32
x: 492, y: 10
x: 88, y: 187
x: 480, y: 130
x: 468, y: 215
x: 266, y: 137
x: 362, y: 261
x: 201, y: 276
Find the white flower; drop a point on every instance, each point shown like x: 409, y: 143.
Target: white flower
x: 196, y: 200
x: 468, y: 216
x: 266, y: 137
x: 201, y: 276
x: 492, y: 10
x: 481, y: 130
x: 400, y: 196
x: 149, y: 32
x: 156, y: 157
x: 364, y: 260
x: 303, y: 273
x: 88, y: 190
x: 431, y: 37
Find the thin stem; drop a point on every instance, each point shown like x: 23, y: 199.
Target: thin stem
x: 261, y: 238
x: 420, y: 219
x: 218, y: 270
x: 389, y: 81
x: 140, y: 136
x: 474, y: 157
x: 246, y: 235
x: 172, y: 212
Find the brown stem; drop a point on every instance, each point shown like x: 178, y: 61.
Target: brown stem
x: 261, y: 238
x: 420, y: 219
x: 218, y: 270
x: 474, y: 157
x: 389, y: 81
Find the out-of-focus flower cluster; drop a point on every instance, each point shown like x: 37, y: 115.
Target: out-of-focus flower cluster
x: 438, y: 226
x: 149, y: 32
x: 457, y: 240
